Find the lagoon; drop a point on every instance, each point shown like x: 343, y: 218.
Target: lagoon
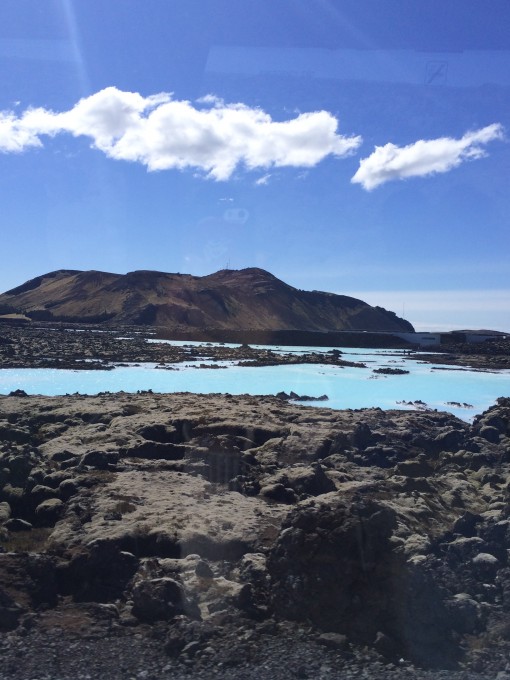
x: 346, y: 387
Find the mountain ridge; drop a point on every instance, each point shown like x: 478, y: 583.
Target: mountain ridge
x: 229, y: 299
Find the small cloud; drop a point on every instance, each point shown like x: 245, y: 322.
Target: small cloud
x: 424, y: 157
x: 162, y: 133
x: 263, y: 180
x: 211, y: 100
x: 226, y: 200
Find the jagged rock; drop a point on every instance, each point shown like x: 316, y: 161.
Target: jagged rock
x: 27, y: 581
x: 204, y: 570
x: 334, y: 564
x: 490, y: 433
x: 450, y: 440
x: 161, y: 599
x: 383, y: 540
x: 465, y: 612
x: 463, y: 549
x: 253, y: 568
x: 466, y: 524
x: 14, y: 434
x: 363, y: 436
x: 99, y: 459
x: 303, y: 480
x: 99, y: 573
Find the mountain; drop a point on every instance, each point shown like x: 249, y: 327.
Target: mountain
x: 229, y: 299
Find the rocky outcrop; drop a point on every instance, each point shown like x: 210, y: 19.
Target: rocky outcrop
x: 189, y: 517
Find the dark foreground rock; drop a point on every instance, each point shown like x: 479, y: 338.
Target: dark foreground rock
x: 185, y: 535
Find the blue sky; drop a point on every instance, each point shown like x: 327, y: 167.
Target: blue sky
x: 354, y: 147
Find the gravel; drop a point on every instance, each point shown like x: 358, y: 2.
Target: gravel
x: 242, y: 654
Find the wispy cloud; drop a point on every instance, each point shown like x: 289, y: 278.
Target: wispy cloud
x: 424, y: 157
x: 261, y: 181
x: 162, y: 133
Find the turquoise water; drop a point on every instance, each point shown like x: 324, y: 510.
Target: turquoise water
x: 346, y: 387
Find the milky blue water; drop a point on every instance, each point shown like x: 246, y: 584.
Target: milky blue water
x: 345, y: 387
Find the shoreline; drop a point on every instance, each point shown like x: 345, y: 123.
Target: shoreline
x: 100, y: 348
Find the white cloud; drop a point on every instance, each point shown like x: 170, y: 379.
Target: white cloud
x: 211, y: 100
x: 163, y: 133
x: 261, y: 181
x: 424, y: 157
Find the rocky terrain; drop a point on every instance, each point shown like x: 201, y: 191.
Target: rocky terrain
x: 78, y: 346
x: 491, y: 354
x: 155, y: 536
x: 229, y: 299
x: 90, y: 348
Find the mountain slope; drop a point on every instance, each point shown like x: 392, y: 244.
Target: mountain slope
x: 229, y: 299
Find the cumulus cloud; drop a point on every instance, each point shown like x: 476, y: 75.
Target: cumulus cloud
x: 163, y: 133
x: 424, y: 157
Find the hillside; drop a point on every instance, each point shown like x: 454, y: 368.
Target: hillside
x: 228, y: 299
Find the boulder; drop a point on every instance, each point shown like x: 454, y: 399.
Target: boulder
x: 304, y: 480
x: 28, y: 580
x: 490, y: 433
x: 278, y: 492
x: 41, y: 493
x: 414, y: 468
x: 99, y: 573
x: 10, y: 612
x: 100, y: 460
x: 67, y: 488
x: 5, y: 511
x: 449, y: 440
x: 486, y: 565
x: 465, y: 613
x: 16, y: 524
x: 203, y: 570
x: 49, y: 511
x: 161, y: 599
x: 334, y: 641
x: 466, y: 524
x: 335, y: 565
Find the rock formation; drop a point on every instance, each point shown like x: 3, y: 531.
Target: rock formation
x: 193, y: 517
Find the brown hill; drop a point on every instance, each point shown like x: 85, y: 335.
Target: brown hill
x: 229, y: 299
